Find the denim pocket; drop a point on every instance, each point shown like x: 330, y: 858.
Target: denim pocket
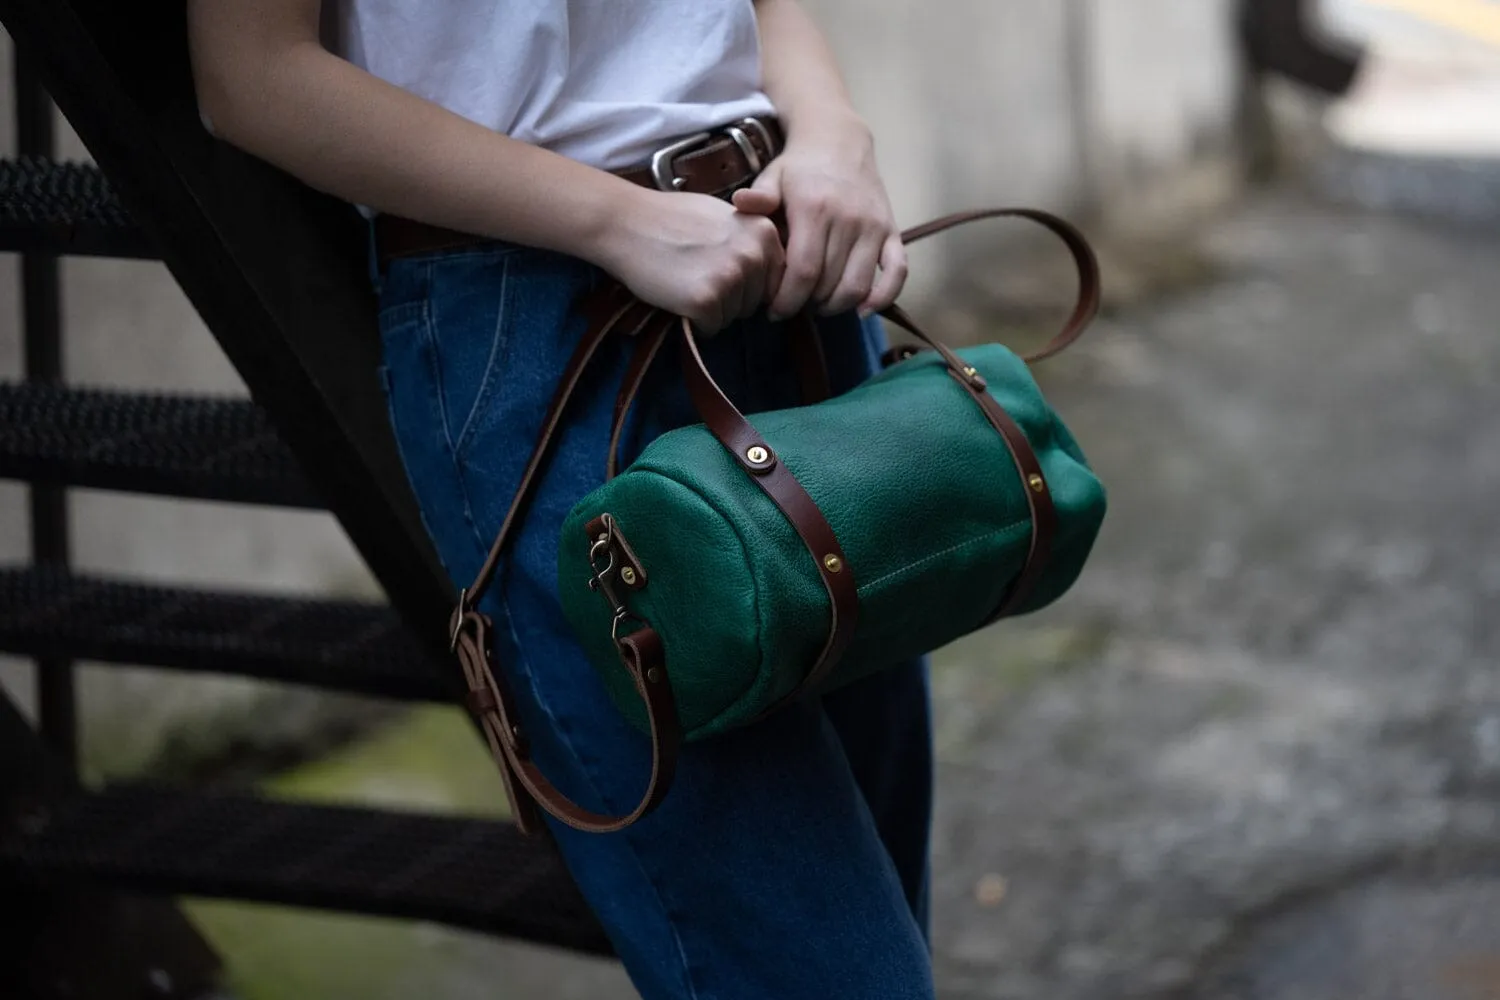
x: 469, y: 330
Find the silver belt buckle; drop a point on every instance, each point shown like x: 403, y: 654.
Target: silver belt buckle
x: 662, y: 161
x: 759, y: 128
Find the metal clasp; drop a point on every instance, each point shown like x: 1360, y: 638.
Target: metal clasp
x: 602, y: 550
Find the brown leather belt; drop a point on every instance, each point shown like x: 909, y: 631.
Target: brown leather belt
x: 716, y: 162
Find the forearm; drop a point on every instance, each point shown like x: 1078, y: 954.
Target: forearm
x: 346, y: 132
x: 800, y: 74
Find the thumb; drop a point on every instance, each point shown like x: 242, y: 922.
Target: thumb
x: 753, y: 201
x: 763, y: 197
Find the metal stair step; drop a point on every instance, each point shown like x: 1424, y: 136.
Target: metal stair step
x: 471, y: 873
x: 353, y: 646
x: 64, y: 208
x: 202, y: 447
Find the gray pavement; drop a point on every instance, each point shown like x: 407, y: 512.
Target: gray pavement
x: 1256, y: 753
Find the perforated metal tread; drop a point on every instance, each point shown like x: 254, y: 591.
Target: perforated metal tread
x: 469, y: 873
x: 64, y: 208
x: 185, y: 446
x: 344, y: 645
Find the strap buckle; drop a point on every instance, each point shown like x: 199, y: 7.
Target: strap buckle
x: 456, y: 627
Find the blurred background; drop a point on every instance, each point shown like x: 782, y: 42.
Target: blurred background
x: 1256, y: 752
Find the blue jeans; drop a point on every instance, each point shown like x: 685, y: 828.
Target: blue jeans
x: 789, y: 860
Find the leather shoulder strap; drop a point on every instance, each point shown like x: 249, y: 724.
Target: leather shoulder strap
x: 1085, y: 308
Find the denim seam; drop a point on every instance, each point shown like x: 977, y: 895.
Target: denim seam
x: 429, y: 334
x: 488, y: 379
x: 564, y: 737
x: 434, y: 360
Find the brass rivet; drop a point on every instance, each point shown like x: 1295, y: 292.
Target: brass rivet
x: 654, y: 675
x: 1037, y: 483
x: 833, y: 563
x: 757, y: 455
x: 602, y: 539
x: 971, y: 372
x: 628, y: 575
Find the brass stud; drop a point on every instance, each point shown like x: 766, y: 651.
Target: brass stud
x: 1037, y: 483
x: 757, y: 455
x: 654, y: 675
x: 602, y: 539
x: 628, y: 575
x: 971, y: 371
x: 833, y: 563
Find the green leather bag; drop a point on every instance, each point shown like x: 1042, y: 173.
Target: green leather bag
x: 741, y: 563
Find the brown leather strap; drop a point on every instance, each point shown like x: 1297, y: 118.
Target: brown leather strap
x: 1038, y: 491
x: 606, y: 313
x: 647, y: 345
x: 740, y: 438
x: 1085, y: 307
x: 1034, y: 483
x: 806, y: 350
x: 644, y: 658
x: 641, y: 652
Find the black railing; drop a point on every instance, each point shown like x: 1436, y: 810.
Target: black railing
x: 41, y: 312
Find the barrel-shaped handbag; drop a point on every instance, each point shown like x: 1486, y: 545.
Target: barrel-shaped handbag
x: 744, y: 562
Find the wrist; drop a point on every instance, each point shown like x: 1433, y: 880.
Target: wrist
x: 612, y: 239
x: 605, y: 219
x: 834, y: 121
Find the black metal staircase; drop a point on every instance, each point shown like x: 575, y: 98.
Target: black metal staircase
x: 464, y: 872
x: 64, y: 208
x: 179, y: 446
x: 278, y: 274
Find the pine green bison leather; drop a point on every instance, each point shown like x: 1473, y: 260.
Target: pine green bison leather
x: 921, y: 491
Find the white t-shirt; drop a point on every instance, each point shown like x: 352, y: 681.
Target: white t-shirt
x: 601, y: 81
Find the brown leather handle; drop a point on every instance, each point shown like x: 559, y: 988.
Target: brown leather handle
x: 1085, y: 307
x: 807, y: 347
x: 802, y: 338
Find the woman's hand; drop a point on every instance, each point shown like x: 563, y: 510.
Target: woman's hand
x: 843, y: 249
x: 695, y: 256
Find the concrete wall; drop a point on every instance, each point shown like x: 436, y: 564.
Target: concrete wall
x: 1105, y: 107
